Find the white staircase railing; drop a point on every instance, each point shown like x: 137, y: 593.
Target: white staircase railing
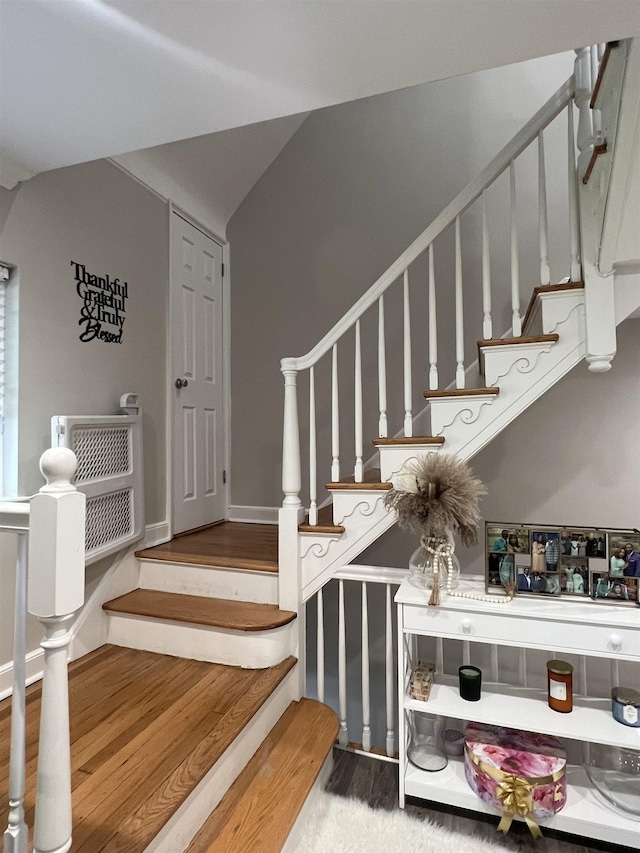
x: 533, y: 131
x: 50, y: 585
x: 367, y: 638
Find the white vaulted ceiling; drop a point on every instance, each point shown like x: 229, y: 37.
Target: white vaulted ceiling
x: 83, y: 79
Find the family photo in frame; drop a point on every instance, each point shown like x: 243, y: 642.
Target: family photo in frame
x: 591, y: 563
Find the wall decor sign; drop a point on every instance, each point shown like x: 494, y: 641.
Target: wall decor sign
x: 103, y: 308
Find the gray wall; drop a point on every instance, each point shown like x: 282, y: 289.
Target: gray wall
x: 95, y: 215
x: 354, y: 186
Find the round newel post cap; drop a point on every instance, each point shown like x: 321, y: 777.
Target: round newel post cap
x: 58, y: 465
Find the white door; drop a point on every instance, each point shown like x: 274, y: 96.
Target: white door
x: 197, y: 388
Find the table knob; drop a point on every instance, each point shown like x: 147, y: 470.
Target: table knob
x: 466, y: 626
x: 615, y: 641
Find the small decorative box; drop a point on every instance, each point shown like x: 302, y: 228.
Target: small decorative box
x: 521, y: 774
x: 421, y: 680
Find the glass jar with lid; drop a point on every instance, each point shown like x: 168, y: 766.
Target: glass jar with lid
x: 560, y: 685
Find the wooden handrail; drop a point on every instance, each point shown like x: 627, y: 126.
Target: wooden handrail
x: 460, y: 203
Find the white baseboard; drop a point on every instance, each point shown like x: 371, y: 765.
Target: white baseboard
x: 156, y: 534
x: 254, y: 514
x: 34, y: 662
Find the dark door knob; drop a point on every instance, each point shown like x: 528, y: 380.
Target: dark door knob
x: 181, y: 383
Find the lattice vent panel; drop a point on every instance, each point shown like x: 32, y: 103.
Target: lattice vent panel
x: 109, y: 518
x: 101, y: 451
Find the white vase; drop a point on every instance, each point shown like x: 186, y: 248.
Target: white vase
x: 423, y: 561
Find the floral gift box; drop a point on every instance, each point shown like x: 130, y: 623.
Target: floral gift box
x: 520, y: 774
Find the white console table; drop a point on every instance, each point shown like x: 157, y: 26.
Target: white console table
x: 587, y: 629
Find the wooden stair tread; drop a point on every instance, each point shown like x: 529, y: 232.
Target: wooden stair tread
x: 463, y: 392
x: 231, y: 544
x: 371, y: 482
x: 416, y: 439
x: 548, y: 288
x: 259, y: 810
x: 145, y: 730
x: 200, y: 610
x: 325, y: 523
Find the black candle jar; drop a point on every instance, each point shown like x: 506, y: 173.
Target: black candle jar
x: 470, y: 682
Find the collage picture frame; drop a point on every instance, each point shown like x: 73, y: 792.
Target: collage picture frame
x: 581, y: 563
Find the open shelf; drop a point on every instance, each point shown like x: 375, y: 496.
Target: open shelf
x: 584, y: 813
x: 527, y: 708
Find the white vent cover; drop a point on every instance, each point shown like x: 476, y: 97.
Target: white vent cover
x: 109, y: 452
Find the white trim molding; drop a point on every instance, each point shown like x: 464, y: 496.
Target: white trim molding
x: 156, y: 534
x: 34, y: 666
x: 254, y: 514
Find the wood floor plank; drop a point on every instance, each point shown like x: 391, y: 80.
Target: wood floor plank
x: 200, y: 610
x: 256, y: 816
x: 230, y: 544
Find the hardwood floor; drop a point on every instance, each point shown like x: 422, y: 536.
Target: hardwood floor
x: 376, y: 783
x: 230, y: 544
x: 145, y: 729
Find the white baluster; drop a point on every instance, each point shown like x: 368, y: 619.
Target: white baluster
x: 516, y: 322
x: 601, y: 48
x: 15, y: 835
x: 439, y: 655
x: 291, y: 474
x: 495, y: 669
x: 408, y: 417
x: 343, y: 734
x: 545, y: 272
x: 574, y: 214
x: 359, y: 468
x: 335, y: 417
x: 320, y: 646
x: 366, y: 689
x: 582, y: 74
x: 615, y: 673
x: 583, y: 686
x: 382, y: 372
x: 389, y: 658
x: 313, y: 467
x: 487, y: 324
x: 56, y: 591
x: 522, y: 668
x: 460, y: 377
x: 433, y: 325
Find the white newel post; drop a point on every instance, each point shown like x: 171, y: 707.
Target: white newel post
x: 291, y: 513
x: 599, y: 296
x: 56, y: 591
x: 15, y: 835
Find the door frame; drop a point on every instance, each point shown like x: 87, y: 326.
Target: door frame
x: 174, y: 209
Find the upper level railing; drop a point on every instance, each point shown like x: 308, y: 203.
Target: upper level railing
x: 50, y: 585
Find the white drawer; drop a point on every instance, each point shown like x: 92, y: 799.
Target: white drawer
x: 510, y: 629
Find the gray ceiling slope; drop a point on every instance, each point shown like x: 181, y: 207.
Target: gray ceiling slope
x: 83, y: 79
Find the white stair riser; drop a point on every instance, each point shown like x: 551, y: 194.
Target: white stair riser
x: 180, y: 830
x: 394, y: 457
x: 500, y: 361
x: 556, y: 307
x: 463, y: 410
x: 366, y: 521
x: 346, y: 502
x: 248, y: 649
x: 211, y: 581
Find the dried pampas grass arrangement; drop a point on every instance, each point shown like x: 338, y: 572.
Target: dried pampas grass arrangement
x: 436, y: 497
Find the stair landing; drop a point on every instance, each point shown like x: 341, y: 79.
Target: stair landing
x: 229, y: 544
x: 145, y: 730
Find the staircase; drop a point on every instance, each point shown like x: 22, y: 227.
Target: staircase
x: 223, y: 756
